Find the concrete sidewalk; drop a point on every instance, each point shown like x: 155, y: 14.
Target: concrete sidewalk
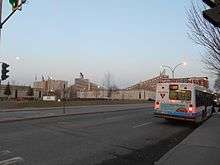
x: 202, y: 147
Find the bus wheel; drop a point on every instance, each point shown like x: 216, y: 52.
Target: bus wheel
x: 199, y: 119
x: 203, y: 115
x: 213, y: 110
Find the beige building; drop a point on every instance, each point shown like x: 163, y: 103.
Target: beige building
x: 82, y: 85
x: 149, y: 85
x: 51, y: 87
x: 144, y: 90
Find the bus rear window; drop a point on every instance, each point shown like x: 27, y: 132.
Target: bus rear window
x: 174, y: 87
x: 180, y: 95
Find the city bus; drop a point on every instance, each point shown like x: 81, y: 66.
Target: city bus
x: 183, y: 101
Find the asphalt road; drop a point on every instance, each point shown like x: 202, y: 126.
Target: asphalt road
x: 54, y: 111
x: 120, y: 137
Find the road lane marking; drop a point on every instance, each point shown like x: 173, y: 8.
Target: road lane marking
x: 115, y: 117
x: 15, y: 160
x: 140, y: 125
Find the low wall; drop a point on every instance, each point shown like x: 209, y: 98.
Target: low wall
x: 121, y: 94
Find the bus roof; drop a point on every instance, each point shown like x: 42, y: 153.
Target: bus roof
x: 192, y: 85
x: 201, y: 81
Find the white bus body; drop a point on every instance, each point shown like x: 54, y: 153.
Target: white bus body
x: 183, y: 101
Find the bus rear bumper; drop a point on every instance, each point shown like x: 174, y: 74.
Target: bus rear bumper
x: 175, y: 117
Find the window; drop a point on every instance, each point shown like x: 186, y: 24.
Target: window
x: 180, y: 95
x: 203, y: 98
x: 176, y: 94
x: 139, y: 95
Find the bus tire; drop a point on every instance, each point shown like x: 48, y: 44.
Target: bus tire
x: 203, y: 115
x: 213, y: 110
x: 199, y: 119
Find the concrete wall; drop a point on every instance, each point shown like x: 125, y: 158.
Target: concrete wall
x: 92, y: 94
x: 121, y: 94
x: 134, y: 95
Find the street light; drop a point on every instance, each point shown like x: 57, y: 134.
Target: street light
x: 174, y: 68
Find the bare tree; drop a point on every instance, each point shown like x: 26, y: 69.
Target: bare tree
x: 206, y: 35
x: 217, y: 83
x: 109, y: 84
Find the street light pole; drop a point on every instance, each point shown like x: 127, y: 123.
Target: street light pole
x: 174, y: 68
x: 1, y: 18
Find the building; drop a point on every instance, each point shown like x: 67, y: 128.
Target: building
x: 82, y: 85
x: 51, y: 87
x: 19, y: 92
x: 141, y: 91
x: 149, y: 85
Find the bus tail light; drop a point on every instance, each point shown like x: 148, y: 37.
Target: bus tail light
x: 157, y: 105
x: 191, y: 109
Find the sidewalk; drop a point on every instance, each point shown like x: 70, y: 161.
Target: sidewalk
x: 202, y: 147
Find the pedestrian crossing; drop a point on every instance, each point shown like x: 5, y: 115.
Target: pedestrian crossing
x: 8, y: 158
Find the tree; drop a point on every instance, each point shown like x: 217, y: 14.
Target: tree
x: 206, y: 35
x: 30, y: 91
x: 58, y: 93
x: 7, y: 90
x: 217, y: 83
x: 109, y: 84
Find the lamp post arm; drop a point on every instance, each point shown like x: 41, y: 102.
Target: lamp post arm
x: 165, y: 66
x: 177, y: 66
x: 172, y: 70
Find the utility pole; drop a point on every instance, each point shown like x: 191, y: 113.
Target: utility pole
x: 64, y: 98
x: 1, y: 3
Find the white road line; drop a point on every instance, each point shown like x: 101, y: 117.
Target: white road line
x: 12, y: 161
x: 140, y: 125
x: 115, y: 117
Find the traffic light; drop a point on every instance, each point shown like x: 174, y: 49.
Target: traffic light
x: 212, y: 14
x: 4, y: 75
x: 14, y: 4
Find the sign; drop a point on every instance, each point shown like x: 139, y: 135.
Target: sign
x: 162, y: 95
x: 49, y: 98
